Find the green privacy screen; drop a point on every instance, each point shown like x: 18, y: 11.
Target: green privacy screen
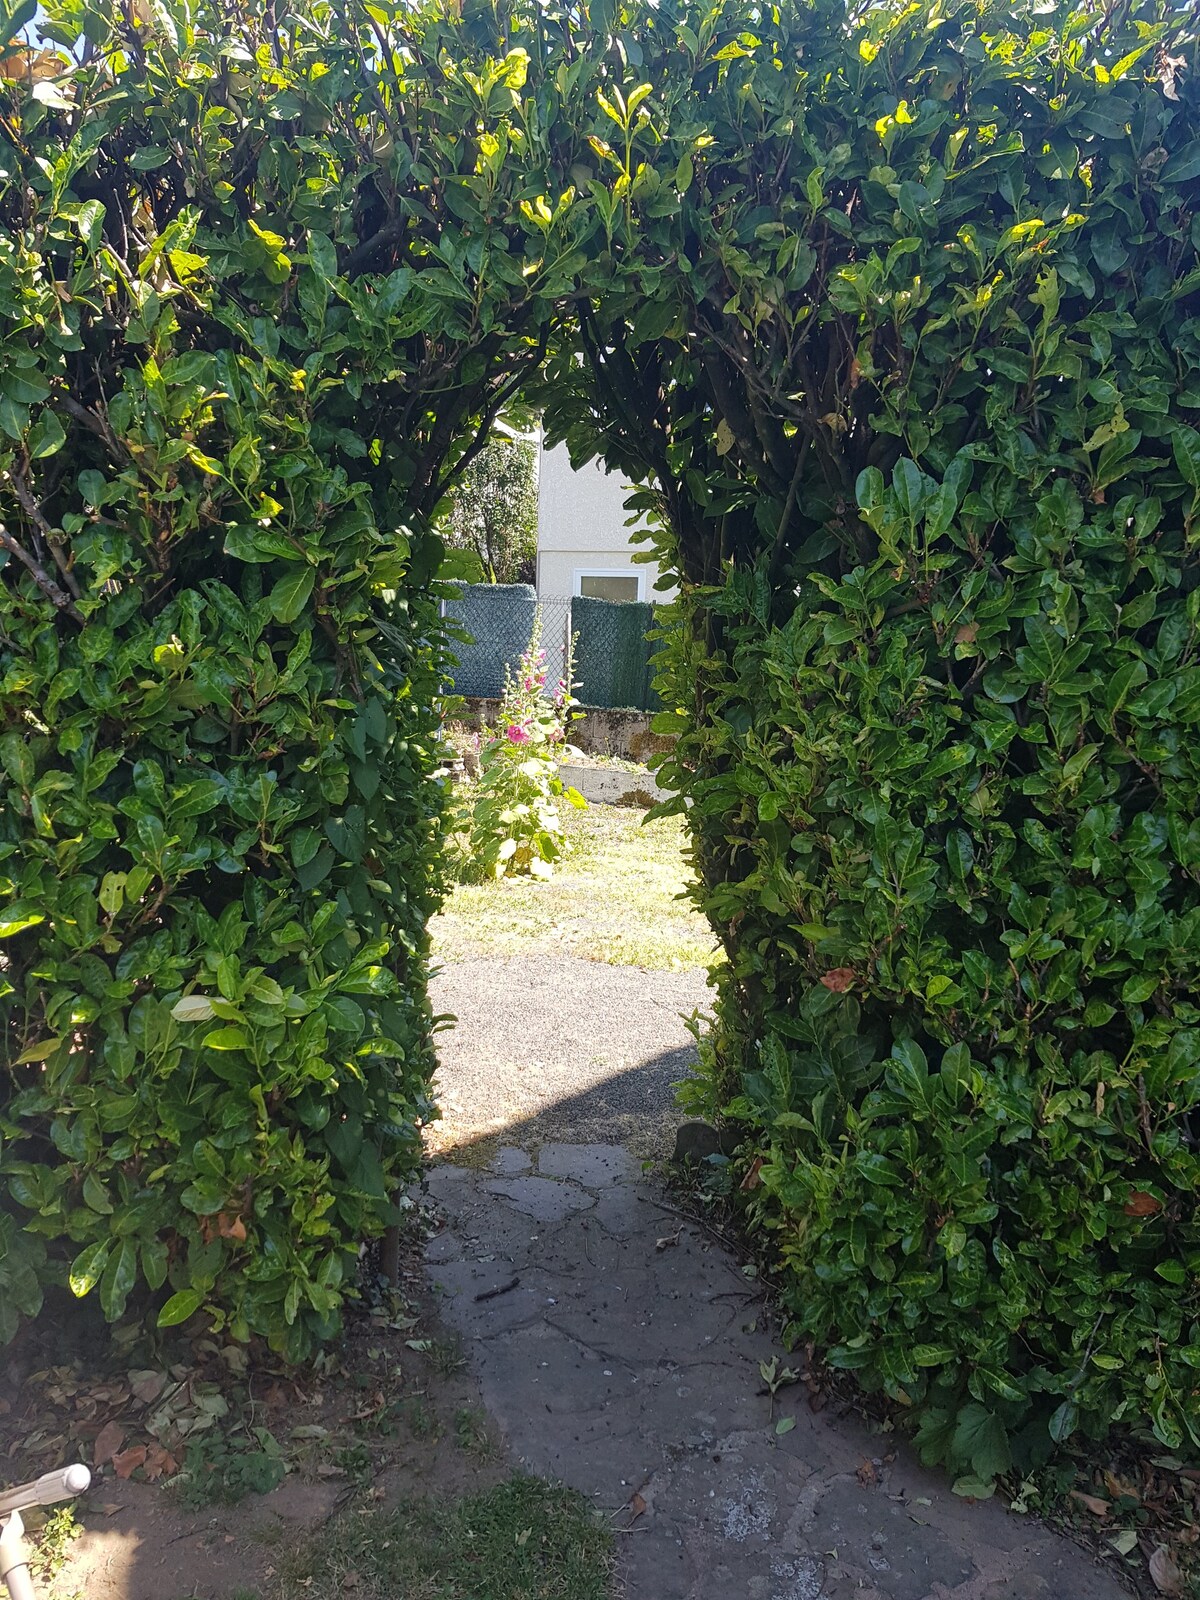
x: 498, y: 617
x: 613, y: 654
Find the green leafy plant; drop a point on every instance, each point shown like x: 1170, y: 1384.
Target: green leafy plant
x: 897, y: 321
x: 515, y: 825
x: 53, y: 1543
x: 493, y: 511
x: 222, y: 1469
x: 250, y: 340
x: 895, y: 313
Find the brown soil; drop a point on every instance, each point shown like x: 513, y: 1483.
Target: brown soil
x: 382, y: 1423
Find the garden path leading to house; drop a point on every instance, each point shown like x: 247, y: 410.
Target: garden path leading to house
x: 618, y: 1345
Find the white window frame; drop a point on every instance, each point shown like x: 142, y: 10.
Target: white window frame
x: 580, y: 573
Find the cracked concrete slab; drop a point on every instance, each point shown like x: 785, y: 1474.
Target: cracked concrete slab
x: 541, y: 1198
x: 618, y: 1347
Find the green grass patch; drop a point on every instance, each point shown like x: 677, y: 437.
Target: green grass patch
x: 523, y: 1540
x: 619, y: 897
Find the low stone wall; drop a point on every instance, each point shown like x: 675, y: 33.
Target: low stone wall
x: 612, y: 786
x: 598, y: 732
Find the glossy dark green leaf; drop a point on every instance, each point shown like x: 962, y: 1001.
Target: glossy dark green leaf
x: 181, y: 1305
x: 292, y: 593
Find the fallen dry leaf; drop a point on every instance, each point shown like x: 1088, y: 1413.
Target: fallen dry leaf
x: 111, y: 1507
x: 350, y: 1581
x: 108, y: 1441
x: 160, y: 1463
x: 126, y: 1462
x: 752, y: 1179
x: 967, y: 634
x: 147, y: 1386
x: 839, y: 980
x: 867, y: 1474
x: 1098, y: 1507
x: 1119, y: 1489
x: 1141, y: 1204
x: 667, y: 1240
x: 1167, y: 1577
x: 637, y: 1507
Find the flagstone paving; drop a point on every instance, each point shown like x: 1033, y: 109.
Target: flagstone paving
x: 618, y: 1345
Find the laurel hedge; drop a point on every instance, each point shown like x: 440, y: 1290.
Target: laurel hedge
x: 899, y: 324
x: 895, y: 312
x: 247, y: 345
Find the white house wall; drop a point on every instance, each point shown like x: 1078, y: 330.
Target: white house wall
x: 581, y: 527
x: 557, y: 571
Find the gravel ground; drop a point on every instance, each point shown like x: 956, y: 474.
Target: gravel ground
x: 556, y: 1048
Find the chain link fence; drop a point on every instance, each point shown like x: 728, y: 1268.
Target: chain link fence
x: 494, y: 622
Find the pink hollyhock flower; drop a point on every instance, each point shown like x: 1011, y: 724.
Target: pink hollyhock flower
x: 517, y: 734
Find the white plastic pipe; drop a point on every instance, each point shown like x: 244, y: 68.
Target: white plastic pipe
x: 14, y: 1559
x: 48, y: 1490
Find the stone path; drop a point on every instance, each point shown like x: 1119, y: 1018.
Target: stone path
x: 618, y: 1347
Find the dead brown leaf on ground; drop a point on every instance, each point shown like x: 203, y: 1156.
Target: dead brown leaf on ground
x: 126, y: 1462
x: 1093, y: 1503
x: 1165, y: 1572
x: 108, y: 1441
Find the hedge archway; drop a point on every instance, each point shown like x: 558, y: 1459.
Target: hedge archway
x: 894, y: 312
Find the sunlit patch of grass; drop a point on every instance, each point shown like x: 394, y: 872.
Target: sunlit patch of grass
x: 522, y: 1540
x: 619, y: 897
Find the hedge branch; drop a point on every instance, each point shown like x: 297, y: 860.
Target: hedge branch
x: 96, y: 424
x: 41, y: 577
x: 52, y: 536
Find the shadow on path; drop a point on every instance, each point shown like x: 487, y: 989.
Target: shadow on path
x: 587, y: 1052
x: 618, y: 1346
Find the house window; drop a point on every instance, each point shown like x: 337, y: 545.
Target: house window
x: 608, y: 585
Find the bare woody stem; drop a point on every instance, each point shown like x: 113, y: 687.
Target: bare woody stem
x: 41, y: 577
x: 51, y: 535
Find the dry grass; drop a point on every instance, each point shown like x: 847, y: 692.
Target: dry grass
x: 618, y: 897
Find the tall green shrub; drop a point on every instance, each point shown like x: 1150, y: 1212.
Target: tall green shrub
x: 897, y: 315
x: 264, y: 277
x: 494, y: 511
